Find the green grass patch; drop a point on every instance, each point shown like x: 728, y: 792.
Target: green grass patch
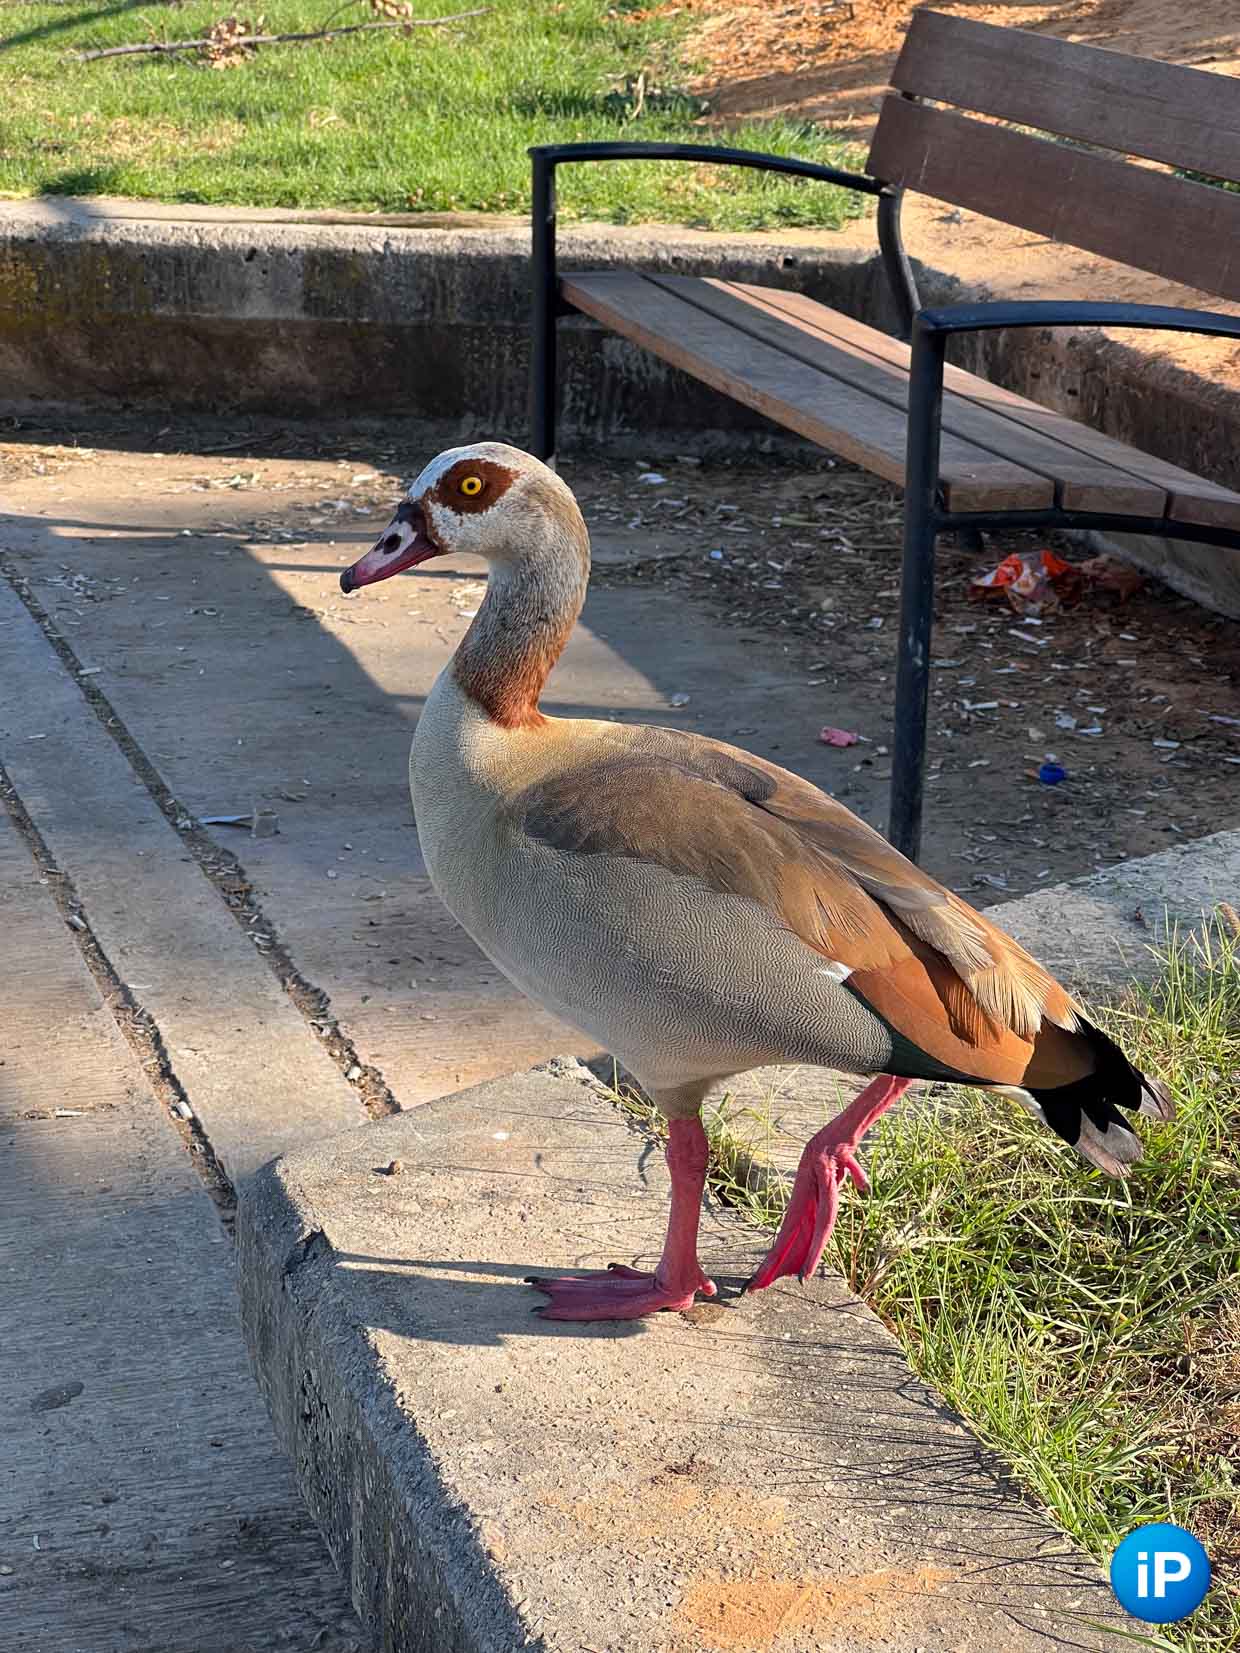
x: 437, y: 120
x: 1089, y: 1331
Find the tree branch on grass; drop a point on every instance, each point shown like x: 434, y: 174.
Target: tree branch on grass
x: 247, y: 40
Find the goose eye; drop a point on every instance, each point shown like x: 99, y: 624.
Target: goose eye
x: 471, y: 485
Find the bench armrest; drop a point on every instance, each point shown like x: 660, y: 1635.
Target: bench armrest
x: 976, y: 318
x: 551, y: 155
x: 933, y: 328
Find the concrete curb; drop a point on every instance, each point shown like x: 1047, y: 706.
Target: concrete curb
x: 761, y: 1472
x: 449, y: 1532
x: 106, y: 302
x: 1102, y: 933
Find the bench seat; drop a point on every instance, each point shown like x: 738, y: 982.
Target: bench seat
x: 844, y: 386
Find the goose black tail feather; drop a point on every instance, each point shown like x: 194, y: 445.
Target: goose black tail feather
x: 1086, y: 1112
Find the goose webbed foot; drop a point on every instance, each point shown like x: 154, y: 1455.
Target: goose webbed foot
x: 617, y: 1293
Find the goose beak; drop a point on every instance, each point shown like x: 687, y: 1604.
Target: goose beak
x: 404, y: 543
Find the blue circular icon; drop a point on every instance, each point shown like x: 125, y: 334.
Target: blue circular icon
x: 1160, y: 1573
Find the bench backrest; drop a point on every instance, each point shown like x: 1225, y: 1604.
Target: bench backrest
x: 1106, y: 105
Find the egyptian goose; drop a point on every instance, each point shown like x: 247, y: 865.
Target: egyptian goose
x: 697, y: 910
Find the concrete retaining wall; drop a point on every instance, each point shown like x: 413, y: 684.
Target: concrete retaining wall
x: 132, y: 304
x: 216, y: 312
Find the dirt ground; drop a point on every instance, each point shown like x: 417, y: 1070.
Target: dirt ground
x: 813, y: 60
x: 1133, y: 695
x: 796, y: 565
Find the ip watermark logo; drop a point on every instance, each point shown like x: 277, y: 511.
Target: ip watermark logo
x: 1160, y: 1573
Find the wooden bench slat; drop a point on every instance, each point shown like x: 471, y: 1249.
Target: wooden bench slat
x: 1190, y: 498
x: 1161, y: 111
x: 1177, y: 229
x: 824, y: 339
x: 821, y: 407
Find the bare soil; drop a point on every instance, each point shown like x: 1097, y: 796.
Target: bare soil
x: 1133, y: 695
x: 807, y: 60
x: 812, y: 60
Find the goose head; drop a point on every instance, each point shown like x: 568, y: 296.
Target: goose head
x: 488, y: 500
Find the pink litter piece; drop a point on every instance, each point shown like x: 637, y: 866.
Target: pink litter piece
x: 838, y: 737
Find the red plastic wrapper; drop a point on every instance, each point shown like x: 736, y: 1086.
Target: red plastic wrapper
x: 1038, y: 580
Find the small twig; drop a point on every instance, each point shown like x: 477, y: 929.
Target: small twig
x: 278, y: 39
x: 639, y: 102
x: 244, y: 442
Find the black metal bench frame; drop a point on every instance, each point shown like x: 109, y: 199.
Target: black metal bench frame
x: 924, y: 515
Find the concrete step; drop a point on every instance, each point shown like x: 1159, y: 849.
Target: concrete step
x: 257, y: 1078
x: 144, y: 1506
x: 760, y: 1473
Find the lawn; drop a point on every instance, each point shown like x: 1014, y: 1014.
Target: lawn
x: 1088, y: 1330
x: 435, y: 120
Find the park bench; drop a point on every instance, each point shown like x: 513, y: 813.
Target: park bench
x: 1067, y: 163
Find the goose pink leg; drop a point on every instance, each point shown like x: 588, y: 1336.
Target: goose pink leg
x: 620, y: 1293
x: 829, y: 1157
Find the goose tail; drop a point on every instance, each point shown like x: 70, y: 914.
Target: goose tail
x: 1087, y: 1113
